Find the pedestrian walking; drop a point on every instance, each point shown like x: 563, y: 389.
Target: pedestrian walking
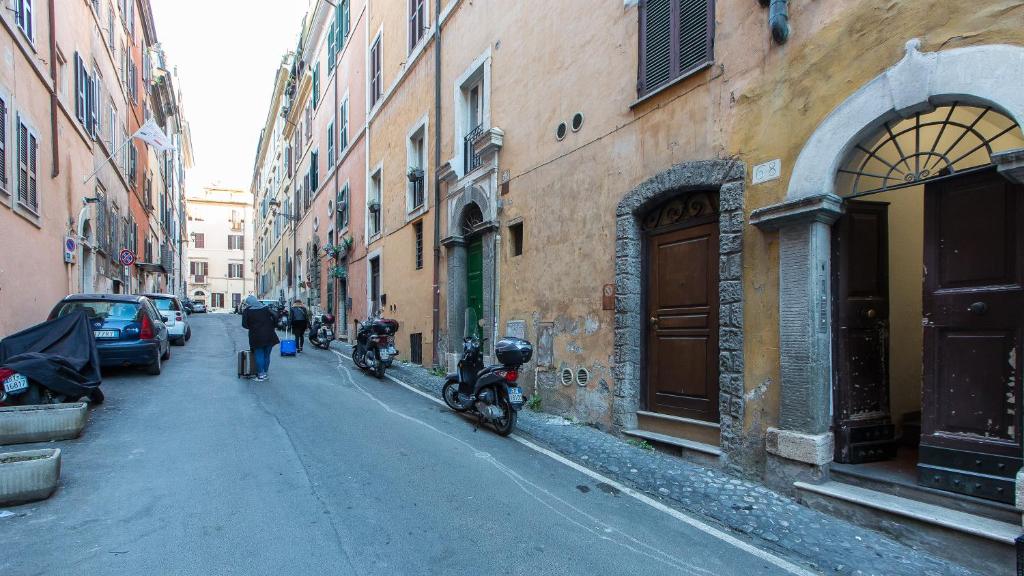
x: 260, y: 322
x: 299, y: 317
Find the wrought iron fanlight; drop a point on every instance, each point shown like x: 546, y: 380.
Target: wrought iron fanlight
x: 929, y: 145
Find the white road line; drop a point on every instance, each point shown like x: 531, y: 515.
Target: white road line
x: 693, y: 522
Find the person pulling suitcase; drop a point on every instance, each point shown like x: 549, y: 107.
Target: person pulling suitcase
x: 260, y: 322
x: 299, y: 317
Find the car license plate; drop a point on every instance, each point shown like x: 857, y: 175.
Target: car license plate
x: 105, y: 333
x: 515, y: 395
x: 15, y: 384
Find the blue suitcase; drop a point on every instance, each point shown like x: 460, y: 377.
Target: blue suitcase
x: 288, y: 347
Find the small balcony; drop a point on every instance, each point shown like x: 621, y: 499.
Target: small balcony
x: 470, y: 153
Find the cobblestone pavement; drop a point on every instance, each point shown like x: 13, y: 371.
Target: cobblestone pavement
x: 770, y: 520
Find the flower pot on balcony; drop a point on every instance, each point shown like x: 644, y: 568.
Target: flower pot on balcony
x: 42, y: 423
x: 29, y: 475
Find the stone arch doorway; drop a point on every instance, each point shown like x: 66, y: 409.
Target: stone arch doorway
x: 471, y: 268
x: 682, y: 227
x: 892, y: 139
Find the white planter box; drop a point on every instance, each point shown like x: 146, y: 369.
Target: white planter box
x: 29, y: 475
x: 42, y: 423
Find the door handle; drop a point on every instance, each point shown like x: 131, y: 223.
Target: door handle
x: 978, y: 308
x: 871, y: 313
x: 653, y: 320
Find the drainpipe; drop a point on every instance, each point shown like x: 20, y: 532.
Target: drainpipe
x: 54, y: 143
x: 436, y: 320
x: 778, y: 19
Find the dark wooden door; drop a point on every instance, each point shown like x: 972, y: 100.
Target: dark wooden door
x: 682, y: 322
x: 860, y: 279
x: 973, y: 303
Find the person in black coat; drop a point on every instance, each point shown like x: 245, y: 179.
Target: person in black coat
x: 299, y: 316
x: 260, y: 322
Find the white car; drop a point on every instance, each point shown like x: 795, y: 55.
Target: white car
x: 178, y: 329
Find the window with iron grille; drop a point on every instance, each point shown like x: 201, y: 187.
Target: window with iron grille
x: 676, y: 40
x: 418, y: 231
x: 376, y: 76
x: 28, y: 167
x: 417, y: 22
x: 24, y: 13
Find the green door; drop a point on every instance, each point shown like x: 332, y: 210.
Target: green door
x: 475, y: 278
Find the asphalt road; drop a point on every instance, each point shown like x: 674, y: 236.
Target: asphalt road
x: 324, y: 470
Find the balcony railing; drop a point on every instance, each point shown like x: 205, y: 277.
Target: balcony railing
x: 472, y: 158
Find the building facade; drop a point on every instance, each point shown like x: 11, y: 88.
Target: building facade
x: 220, y: 247
x: 79, y: 77
x: 779, y: 240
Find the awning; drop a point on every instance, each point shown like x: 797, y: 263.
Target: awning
x: 151, y: 267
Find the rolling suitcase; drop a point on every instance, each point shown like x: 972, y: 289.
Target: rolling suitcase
x: 246, y: 364
x: 288, y: 345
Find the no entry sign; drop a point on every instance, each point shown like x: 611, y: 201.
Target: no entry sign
x: 126, y: 257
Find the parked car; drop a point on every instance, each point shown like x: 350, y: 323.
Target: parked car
x: 199, y: 307
x: 177, y: 320
x: 189, y: 306
x: 129, y: 329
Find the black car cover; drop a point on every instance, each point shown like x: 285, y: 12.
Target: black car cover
x: 59, y: 354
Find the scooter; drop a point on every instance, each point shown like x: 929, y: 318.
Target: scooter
x: 321, y: 332
x: 375, y: 345
x: 17, y: 390
x: 490, y: 392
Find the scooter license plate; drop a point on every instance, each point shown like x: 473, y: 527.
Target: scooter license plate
x: 16, y: 383
x: 515, y: 395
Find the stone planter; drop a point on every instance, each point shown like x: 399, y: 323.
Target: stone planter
x: 29, y: 475
x: 42, y: 423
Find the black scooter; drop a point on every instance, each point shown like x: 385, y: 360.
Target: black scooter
x: 321, y: 333
x: 375, y: 345
x: 490, y: 392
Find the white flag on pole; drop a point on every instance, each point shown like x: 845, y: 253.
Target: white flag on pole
x: 151, y: 134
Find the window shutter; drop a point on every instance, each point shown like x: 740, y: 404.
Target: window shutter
x: 3, y: 145
x: 676, y: 40
x: 80, y: 89
x: 22, y: 163
x: 33, y: 172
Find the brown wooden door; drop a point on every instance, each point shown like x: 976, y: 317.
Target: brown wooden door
x: 973, y: 302
x: 682, y: 322
x: 860, y: 278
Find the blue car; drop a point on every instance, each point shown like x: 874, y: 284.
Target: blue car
x: 129, y: 329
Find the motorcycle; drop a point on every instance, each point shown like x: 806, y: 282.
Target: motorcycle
x: 491, y: 392
x: 321, y: 332
x: 375, y: 345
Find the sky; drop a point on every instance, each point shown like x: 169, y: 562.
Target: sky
x: 226, y: 53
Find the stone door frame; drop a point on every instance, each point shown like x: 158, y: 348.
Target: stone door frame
x: 726, y: 177
x: 989, y: 75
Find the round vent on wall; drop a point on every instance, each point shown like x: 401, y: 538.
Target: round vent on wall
x: 582, y: 376
x: 577, y: 121
x: 561, y: 131
x: 566, y: 377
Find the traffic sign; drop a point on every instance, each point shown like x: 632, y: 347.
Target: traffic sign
x: 126, y: 257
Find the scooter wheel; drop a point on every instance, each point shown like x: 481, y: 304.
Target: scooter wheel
x: 378, y: 365
x: 450, y: 393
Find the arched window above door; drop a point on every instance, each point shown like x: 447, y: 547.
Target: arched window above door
x: 947, y: 140
x: 472, y: 219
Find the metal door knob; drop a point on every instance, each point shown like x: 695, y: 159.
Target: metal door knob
x: 871, y: 313
x: 978, y: 308
x: 654, y: 321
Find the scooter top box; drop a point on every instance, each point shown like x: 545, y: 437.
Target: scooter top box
x: 513, y: 351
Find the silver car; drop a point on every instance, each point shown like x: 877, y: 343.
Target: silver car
x: 169, y: 305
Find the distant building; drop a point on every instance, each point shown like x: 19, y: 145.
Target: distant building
x: 220, y: 247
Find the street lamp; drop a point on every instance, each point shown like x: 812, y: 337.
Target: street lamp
x: 275, y: 205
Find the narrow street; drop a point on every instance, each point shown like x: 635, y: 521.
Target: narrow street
x: 323, y: 469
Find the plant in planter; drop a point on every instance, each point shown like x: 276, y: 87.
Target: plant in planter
x: 339, y: 272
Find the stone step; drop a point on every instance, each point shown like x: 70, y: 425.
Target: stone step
x: 865, y: 477
x: 680, y: 443
x: 696, y: 430
x: 979, y: 543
